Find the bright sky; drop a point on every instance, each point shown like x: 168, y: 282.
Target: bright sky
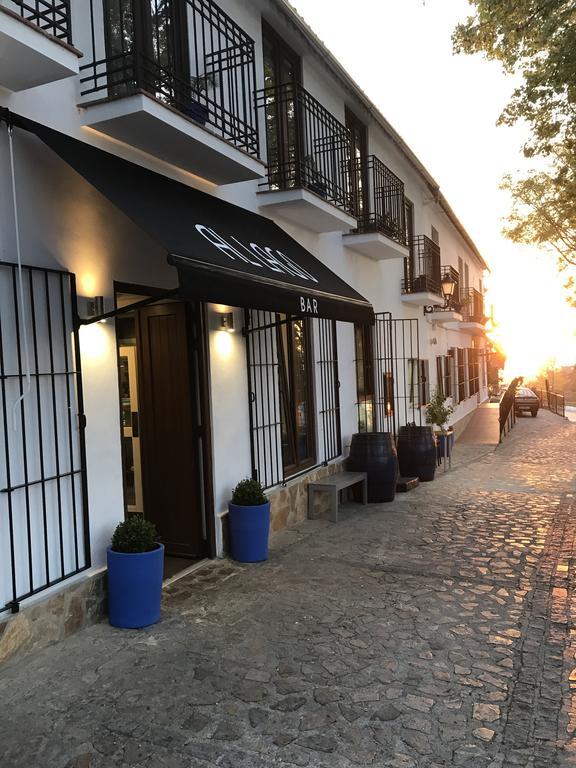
x: 446, y: 107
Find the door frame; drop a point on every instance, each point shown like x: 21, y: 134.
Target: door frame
x: 201, y: 374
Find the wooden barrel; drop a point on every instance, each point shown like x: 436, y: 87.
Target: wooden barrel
x: 375, y: 454
x: 417, y: 452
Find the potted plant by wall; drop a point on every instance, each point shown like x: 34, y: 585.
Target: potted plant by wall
x: 135, y: 572
x: 249, y: 522
x: 437, y: 414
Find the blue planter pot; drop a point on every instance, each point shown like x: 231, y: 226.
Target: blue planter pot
x: 135, y: 587
x: 249, y: 528
x: 441, y: 440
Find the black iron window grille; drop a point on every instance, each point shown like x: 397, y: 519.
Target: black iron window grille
x: 444, y: 375
x: 44, y: 536
x: 473, y: 372
x: 461, y: 373
x: 187, y: 54
x: 329, y: 390
x: 307, y: 146
x: 397, y: 375
x: 419, y: 382
x: 51, y: 16
x: 424, y: 272
x: 382, y: 205
x: 472, y: 306
x: 283, y: 400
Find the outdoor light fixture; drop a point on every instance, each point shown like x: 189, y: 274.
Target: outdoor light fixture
x: 96, y: 307
x: 227, y: 322
x: 448, y: 287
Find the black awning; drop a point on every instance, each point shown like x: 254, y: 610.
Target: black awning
x: 222, y: 252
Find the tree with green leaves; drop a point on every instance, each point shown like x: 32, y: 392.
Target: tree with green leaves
x: 535, y: 40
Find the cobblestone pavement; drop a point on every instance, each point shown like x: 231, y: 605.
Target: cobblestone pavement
x: 432, y: 632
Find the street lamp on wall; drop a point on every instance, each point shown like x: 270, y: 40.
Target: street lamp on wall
x: 448, y: 287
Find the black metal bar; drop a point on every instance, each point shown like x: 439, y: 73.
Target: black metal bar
x: 17, y: 312
x: 42, y: 480
x: 51, y: 16
x: 69, y: 420
x: 159, y: 296
x: 7, y: 460
x: 81, y: 423
x: 45, y: 480
x: 55, y: 425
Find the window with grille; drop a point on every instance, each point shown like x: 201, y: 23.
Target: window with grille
x: 364, y: 353
x: 296, y: 394
x: 44, y: 537
x: 424, y: 382
x: 419, y: 382
x: 473, y: 372
x: 444, y: 375
x: 461, y: 373
x: 292, y: 421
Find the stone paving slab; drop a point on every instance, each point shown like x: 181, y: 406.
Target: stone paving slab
x: 432, y: 632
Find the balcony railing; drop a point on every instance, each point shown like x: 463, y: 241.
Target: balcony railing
x: 307, y: 146
x: 422, y: 272
x: 472, y: 306
x: 378, y: 199
x: 207, y: 74
x: 51, y: 16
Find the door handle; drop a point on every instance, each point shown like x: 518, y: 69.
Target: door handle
x: 135, y: 424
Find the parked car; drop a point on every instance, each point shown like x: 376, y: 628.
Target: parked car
x: 526, y: 401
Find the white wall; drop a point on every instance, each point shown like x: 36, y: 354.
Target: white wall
x: 65, y: 223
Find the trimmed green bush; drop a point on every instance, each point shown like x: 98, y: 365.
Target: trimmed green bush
x: 436, y: 412
x: 135, y: 535
x: 248, y: 493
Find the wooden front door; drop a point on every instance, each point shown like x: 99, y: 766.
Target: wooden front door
x: 169, y: 428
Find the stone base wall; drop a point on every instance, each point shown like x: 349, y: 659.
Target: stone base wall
x: 289, y: 504
x: 58, y: 616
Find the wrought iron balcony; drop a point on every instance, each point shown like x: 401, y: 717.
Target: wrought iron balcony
x: 378, y: 196
x: 472, y: 306
x: 307, y: 146
x: 422, y: 272
x: 51, y: 16
x: 186, y: 54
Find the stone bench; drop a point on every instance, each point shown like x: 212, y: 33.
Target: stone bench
x: 333, y: 485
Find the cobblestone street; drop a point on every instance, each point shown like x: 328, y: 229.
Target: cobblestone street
x: 439, y: 630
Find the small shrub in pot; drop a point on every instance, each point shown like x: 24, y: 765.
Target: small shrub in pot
x: 249, y: 493
x: 135, y: 572
x: 249, y: 522
x: 135, y: 535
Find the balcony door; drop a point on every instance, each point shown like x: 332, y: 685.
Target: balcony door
x: 358, y: 169
x: 147, y: 49
x: 409, y: 261
x: 282, y: 70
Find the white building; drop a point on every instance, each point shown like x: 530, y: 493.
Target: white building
x: 211, y: 164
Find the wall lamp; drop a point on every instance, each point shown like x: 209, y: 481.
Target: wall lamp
x: 95, y: 307
x: 448, y: 288
x: 227, y: 322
